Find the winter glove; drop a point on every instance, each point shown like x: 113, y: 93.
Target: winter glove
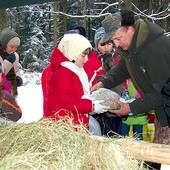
x: 99, y: 107
x: 11, y: 58
x: 19, y: 81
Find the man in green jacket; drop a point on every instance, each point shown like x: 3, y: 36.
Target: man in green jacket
x: 145, y: 51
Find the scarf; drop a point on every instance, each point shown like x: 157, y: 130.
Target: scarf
x: 80, y: 73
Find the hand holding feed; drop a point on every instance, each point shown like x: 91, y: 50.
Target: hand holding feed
x: 124, y: 108
x: 96, y: 86
x: 106, y: 96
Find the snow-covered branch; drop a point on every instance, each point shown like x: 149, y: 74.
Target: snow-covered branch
x: 109, y: 5
x: 153, y: 16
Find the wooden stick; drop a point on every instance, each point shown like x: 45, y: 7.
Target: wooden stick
x: 151, y: 152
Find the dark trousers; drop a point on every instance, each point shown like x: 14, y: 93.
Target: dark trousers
x: 109, y: 125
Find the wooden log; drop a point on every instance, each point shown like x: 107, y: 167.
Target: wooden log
x: 151, y: 152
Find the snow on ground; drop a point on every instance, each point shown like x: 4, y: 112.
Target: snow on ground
x: 30, y: 98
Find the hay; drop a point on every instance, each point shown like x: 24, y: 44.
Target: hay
x: 49, y: 145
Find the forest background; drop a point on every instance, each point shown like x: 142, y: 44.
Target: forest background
x: 41, y: 26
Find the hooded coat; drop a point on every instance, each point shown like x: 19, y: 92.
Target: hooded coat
x: 68, y: 85
x: 65, y: 93
x: 147, y: 62
x: 93, y: 66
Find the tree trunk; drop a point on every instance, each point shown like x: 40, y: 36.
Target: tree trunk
x: 164, y: 22
x: 85, y: 18
x: 3, y: 19
x: 150, y: 7
x: 62, y: 19
x: 55, y: 22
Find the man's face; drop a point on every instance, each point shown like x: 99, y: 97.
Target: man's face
x: 123, y: 37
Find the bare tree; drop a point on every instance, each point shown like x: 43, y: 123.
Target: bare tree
x: 55, y: 22
x: 85, y: 13
x: 63, y: 18
x: 3, y: 19
x: 164, y: 21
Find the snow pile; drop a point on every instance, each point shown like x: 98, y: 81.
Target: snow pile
x: 30, y: 98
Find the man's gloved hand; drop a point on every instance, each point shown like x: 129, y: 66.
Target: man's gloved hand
x: 11, y: 58
x: 19, y: 81
x: 99, y: 107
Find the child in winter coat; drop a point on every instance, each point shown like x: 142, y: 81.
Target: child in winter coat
x: 68, y: 91
x: 9, y: 108
x: 136, y: 123
x: 102, y: 54
x: 101, y: 60
x: 93, y: 66
x: 9, y: 42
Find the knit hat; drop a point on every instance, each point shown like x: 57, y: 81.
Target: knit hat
x: 111, y: 23
x: 72, y: 45
x: 14, y: 41
x: 98, y: 36
x: 8, y: 34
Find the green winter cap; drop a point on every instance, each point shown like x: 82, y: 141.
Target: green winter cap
x: 111, y: 23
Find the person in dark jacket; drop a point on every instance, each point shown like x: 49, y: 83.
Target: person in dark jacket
x: 166, y: 98
x: 100, y: 61
x: 145, y: 59
x: 9, y: 42
x: 75, y: 28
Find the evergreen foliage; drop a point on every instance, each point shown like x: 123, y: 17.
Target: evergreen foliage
x: 35, y: 24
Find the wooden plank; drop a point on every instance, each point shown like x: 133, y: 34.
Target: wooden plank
x: 152, y: 152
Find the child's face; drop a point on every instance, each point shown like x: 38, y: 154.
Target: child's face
x: 11, y: 48
x: 107, y: 48
x: 82, y: 58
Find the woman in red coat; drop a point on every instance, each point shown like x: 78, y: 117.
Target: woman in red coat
x: 69, y: 85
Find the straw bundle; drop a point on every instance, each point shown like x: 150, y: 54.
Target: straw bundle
x: 55, y: 145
